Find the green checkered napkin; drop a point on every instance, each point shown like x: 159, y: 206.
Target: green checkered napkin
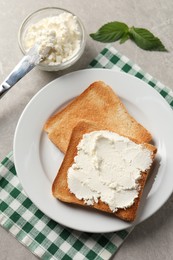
x: 42, y: 236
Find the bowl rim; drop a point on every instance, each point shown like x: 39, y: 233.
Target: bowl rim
x: 62, y: 65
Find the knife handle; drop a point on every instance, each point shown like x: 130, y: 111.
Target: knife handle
x: 27, y: 63
x: 22, y: 68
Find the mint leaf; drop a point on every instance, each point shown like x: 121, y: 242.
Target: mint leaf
x: 115, y: 31
x: 145, y: 39
x: 110, y: 32
x: 124, y: 38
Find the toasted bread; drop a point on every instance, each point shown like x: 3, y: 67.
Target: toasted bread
x: 100, y: 105
x: 60, y: 188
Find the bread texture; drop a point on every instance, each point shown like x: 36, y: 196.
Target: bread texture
x: 97, y: 104
x: 60, y: 188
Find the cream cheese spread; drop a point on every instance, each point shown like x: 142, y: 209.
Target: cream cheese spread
x: 107, y: 167
x: 58, y: 38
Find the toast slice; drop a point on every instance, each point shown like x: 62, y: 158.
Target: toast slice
x: 100, y: 105
x: 60, y: 188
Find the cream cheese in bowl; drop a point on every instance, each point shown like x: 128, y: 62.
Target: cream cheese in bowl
x: 58, y: 33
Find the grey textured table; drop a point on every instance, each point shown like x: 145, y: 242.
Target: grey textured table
x: 153, y: 238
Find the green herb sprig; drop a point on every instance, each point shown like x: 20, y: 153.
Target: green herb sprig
x: 118, y: 31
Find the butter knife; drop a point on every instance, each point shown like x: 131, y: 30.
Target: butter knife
x: 28, y: 62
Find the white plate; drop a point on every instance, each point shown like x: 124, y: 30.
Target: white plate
x: 37, y: 159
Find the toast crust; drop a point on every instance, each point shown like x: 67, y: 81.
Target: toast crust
x: 60, y: 188
x: 97, y: 104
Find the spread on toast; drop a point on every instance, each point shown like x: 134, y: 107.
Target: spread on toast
x: 60, y: 187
